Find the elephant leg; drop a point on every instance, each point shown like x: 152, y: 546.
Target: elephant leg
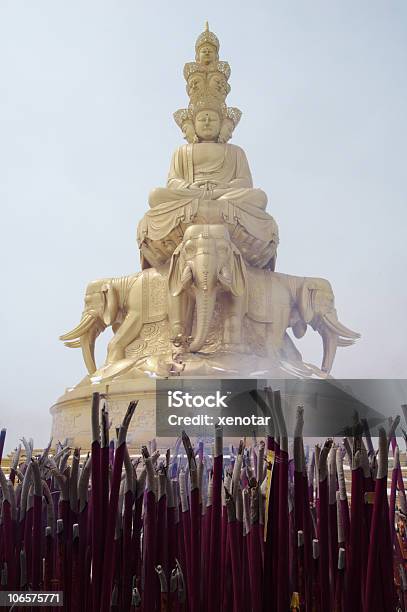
x: 232, y: 333
x: 127, y: 332
x: 273, y: 337
x: 275, y: 331
x: 180, y: 317
x: 289, y: 350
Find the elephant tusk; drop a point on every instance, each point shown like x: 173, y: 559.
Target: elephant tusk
x: 336, y: 327
x: 73, y: 344
x: 345, y: 341
x: 86, y: 322
x: 87, y: 342
x: 330, y: 344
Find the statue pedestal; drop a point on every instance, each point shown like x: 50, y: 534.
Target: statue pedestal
x: 71, y: 414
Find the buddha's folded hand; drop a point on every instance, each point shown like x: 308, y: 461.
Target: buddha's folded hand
x: 212, y: 184
x: 199, y: 184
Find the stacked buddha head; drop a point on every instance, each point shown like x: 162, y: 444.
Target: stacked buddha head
x: 207, y: 87
x: 209, y: 181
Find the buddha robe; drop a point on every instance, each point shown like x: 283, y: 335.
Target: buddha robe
x: 229, y: 199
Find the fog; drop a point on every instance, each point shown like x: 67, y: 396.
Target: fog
x: 87, y: 95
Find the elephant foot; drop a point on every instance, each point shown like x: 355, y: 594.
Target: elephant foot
x: 110, y: 370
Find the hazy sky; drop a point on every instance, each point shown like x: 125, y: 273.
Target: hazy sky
x: 87, y: 95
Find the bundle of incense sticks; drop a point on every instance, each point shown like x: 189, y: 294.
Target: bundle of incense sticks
x: 270, y: 526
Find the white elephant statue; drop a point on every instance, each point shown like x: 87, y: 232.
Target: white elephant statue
x: 282, y: 301
x: 124, y: 303
x: 206, y: 269
x: 210, y: 263
x: 204, y: 265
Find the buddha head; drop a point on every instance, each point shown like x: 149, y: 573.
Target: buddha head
x: 188, y: 130
x: 218, y: 84
x: 206, y: 54
x: 207, y: 124
x: 207, y: 118
x: 207, y: 47
x: 226, y: 130
x: 195, y: 84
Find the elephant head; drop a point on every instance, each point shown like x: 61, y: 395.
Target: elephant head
x: 101, y: 310
x: 203, y: 263
x: 316, y: 306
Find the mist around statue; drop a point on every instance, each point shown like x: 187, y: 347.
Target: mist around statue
x: 127, y: 508
x: 208, y: 291
x: 209, y: 300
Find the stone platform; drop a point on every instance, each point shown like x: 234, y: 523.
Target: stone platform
x: 329, y: 405
x: 71, y: 414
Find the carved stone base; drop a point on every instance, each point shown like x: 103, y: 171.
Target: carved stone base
x: 71, y: 418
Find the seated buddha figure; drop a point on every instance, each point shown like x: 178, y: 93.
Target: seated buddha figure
x: 209, y: 179
x: 209, y: 182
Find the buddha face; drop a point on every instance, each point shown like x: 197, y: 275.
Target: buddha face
x: 207, y: 125
x: 218, y: 83
x: 195, y: 84
x: 226, y: 130
x: 207, y: 54
x: 189, y: 131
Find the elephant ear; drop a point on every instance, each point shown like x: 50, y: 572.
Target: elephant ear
x: 239, y: 278
x: 174, y: 275
x: 306, y: 301
x: 111, y: 304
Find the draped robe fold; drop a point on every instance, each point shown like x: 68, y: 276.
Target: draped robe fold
x: 232, y: 201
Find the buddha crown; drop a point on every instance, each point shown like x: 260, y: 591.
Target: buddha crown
x: 207, y: 37
x: 207, y: 102
x: 207, y: 88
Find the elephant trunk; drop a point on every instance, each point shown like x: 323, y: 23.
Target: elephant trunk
x: 205, y: 303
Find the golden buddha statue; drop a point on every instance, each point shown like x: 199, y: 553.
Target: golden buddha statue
x: 209, y: 179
